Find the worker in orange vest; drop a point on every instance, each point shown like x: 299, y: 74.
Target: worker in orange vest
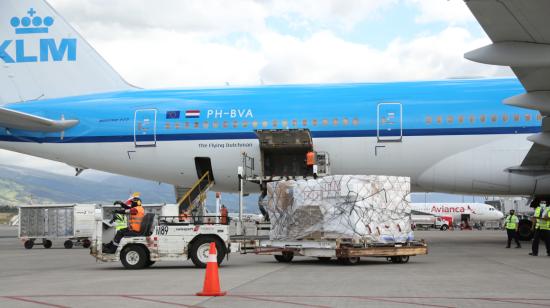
x: 136, y: 213
x: 310, y: 163
x: 223, y: 214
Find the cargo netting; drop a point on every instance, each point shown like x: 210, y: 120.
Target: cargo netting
x: 369, y: 209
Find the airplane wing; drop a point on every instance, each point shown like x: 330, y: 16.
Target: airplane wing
x: 520, y: 31
x: 20, y: 120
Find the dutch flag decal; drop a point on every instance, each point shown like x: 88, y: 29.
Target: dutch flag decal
x: 192, y: 113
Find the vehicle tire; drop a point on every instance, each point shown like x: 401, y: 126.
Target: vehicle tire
x: 444, y: 228
x: 86, y: 243
x: 286, y: 257
x: 399, y: 259
x: 47, y: 244
x: 324, y: 259
x: 28, y: 244
x: 349, y: 261
x: 201, y: 248
x: 405, y: 259
x: 68, y: 244
x: 134, y: 257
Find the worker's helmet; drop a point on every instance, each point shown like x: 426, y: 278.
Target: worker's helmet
x: 136, y: 195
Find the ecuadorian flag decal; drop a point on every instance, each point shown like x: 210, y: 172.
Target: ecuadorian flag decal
x: 192, y: 113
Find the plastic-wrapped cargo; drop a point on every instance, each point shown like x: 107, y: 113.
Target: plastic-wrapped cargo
x: 371, y: 209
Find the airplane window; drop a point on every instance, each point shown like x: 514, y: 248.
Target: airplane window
x: 494, y: 118
x: 294, y: 123
x: 335, y: 122
x: 482, y: 118
x: 215, y: 124
x: 460, y: 119
x: 196, y: 125
x: 355, y: 121
x: 245, y: 123
x: 304, y: 122
x: 167, y: 125
x: 505, y: 118
x: 205, y: 124
x: 225, y: 124
x: 345, y: 121
x: 274, y: 123
x: 472, y: 118
x: 254, y: 123
x: 177, y: 125
x: 428, y: 120
x: 539, y: 117
x: 325, y: 122
x: 264, y: 124
x: 516, y: 117
x: 314, y: 122
x: 527, y: 117
x: 186, y: 125
x: 439, y: 120
x: 450, y: 119
x: 284, y: 123
x: 235, y: 124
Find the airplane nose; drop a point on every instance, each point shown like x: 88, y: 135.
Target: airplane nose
x: 500, y: 215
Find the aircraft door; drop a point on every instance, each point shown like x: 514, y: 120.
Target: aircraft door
x: 145, y: 128
x: 389, y: 122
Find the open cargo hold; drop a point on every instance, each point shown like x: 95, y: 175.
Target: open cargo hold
x: 366, y: 209
x: 72, y: 222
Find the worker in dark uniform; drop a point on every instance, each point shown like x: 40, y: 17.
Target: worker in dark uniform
x: 512, y: 223
x: 136, y: 214
x: 540, y: 207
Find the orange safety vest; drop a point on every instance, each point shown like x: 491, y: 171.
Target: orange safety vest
x: 224, y: 215
x: 310, y: 158
x: 136, y: 217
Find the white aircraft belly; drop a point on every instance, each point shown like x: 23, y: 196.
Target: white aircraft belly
x: 438, y: 163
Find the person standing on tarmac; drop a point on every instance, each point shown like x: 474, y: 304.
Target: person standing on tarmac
x: 540, y: 207
x: 136, y: 213
x: 224, y: 214
x: 545, y: 228
x: 512, y: 224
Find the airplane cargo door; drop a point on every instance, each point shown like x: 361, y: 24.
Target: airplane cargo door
x: 390, y: 122
x: 145, y: 128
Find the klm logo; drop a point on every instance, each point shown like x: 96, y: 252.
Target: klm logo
x: 27, y: 50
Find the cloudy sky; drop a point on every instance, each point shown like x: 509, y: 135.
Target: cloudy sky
x: 171, y: 43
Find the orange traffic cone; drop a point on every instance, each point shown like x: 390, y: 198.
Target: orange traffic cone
x: 212, y: 280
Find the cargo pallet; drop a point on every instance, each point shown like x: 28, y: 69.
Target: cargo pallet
x: 343, y: 250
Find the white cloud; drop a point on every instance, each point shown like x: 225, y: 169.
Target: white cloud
x: 448, y: 11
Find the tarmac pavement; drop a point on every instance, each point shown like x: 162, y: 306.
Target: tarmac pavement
x: 462, y: 269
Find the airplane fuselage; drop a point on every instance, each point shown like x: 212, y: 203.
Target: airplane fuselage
x: 448, y: 136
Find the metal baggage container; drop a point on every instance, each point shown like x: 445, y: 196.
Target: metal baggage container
x: 47, y: 222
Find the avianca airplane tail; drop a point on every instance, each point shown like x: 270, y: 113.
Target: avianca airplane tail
x: 42, y: 56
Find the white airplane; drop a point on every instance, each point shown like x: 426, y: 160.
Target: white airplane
x: 62, y: 101
x: 479, y: 212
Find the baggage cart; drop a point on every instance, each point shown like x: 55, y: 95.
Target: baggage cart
x: 42, y: 223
